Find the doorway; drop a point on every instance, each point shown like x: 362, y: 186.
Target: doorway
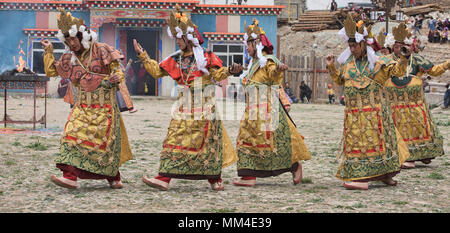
x: 142, y: 83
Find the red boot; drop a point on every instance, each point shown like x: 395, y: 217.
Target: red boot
x: 64, y: 182
x: 247, y: 181
x: 159, y: 182
x: 298, y: 174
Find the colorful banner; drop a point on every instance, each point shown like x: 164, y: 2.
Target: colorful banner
x: 99, y: 17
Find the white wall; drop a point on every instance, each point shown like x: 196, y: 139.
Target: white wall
x: 325, y: 4
x: 229, y: 2
x: 168, y: 47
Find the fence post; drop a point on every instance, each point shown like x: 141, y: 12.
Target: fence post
x: 314, y: 69
x: 278, y: 46
x: 284, y: 72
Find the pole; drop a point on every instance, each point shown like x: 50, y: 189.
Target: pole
x: 289, y: 11
x: 387, y: 13
x: 45, y: 114
x: 314, y: 83
x: 34, y: 105
x: 6, y: 98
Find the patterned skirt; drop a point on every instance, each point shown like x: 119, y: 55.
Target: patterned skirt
x: 197, y: 145
x: 414, y: 122
x: 372, y: 146
x: 94, y: 137
x: 268, y: 142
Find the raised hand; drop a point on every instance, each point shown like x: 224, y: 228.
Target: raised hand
x: 330, y: 59
x: 236, y: 68
x: 137, y: 47
x: 46, y: 43
x: 282, y: 67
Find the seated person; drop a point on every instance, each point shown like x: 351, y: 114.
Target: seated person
x: 305, y: 91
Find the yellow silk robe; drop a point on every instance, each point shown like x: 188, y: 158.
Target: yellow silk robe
x: 197, y: 145
x: 268, y: 142
x: 410, y: 112
x: 94, y: 138
x: 372, y: 146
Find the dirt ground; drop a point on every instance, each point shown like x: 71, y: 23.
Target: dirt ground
x: 26, y: 163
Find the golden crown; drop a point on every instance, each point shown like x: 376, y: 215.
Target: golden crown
x: 351, y: 26
x: 66, y: 21
x: 381, y: 38
x: 369, y: 32
x: 254, y: 28
x: 180, y: 20
x: 401, y: 33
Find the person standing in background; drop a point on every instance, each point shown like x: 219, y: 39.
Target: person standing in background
x: 330, y: 93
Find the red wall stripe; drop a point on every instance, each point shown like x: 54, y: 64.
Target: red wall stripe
x: 42, y: 19
x: 222, y: 23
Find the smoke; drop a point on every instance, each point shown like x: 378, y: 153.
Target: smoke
x: 12, y: 26
x: 5, y: 67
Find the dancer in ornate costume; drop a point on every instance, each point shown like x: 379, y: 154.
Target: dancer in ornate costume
x: 94, y: 142
x: 268, y: 142
x: 386, y: 41
x: 410, y: 112
x: 372, y: 147
x: 196, y: 146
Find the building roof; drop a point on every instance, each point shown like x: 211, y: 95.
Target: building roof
x: 190, y: 5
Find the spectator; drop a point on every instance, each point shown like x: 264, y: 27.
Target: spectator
x: 290, y: 94
x: 444, y: 36
x: 430, y: 36
x: 447, y: 95
x: 333, y: 6
x: 305, y: 91
x: 417, y: 25
x: 411, y: 22
x: 141, y: 78
x: 342, y: 100
x: 436, y: 36
x: 432, y: 24
x: 440, y: 25
x: 330, y: 93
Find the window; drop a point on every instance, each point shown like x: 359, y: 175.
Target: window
x: 37, y: 54
x: 229, y: 53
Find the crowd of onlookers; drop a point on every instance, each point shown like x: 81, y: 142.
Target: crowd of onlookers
x: 438, y: 31
x: 305, y: 94
x: 438, y: 28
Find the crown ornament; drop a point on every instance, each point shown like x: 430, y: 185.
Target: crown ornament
x: 401, y: 34
x: 381, y: 38
x: 350, y: 26
x: 180, y: 24
x: 254, y: 31
x: 71, y: 26
x: 66, y: 22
